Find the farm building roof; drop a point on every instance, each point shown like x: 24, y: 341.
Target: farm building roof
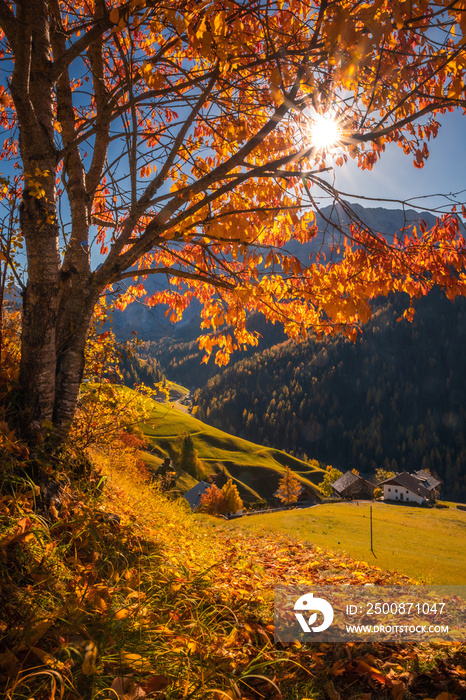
x: 346, y: 480
x: 193, y: 496
x: 410, y: 482
x: 429, y: 481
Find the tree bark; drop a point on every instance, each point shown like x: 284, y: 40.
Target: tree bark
x: 73, y: 322
x: 33, y: 97
x: 59, y: 298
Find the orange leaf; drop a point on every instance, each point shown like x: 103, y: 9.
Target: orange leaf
x: 338, y: 668
x: 372, y: 672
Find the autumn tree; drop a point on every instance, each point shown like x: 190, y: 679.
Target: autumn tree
x: 212, y: 501
x: 289, y: 488
x: 330, y: 476
x: 181, y: 139
x: 381, y: 474
x: 231, y: 497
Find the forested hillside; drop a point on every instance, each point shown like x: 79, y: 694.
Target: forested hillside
x: 182, y: 360
x: 395, y: 398
x: 137, y: 368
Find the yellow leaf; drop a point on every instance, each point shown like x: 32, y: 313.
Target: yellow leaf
x: 48, y: 659
x: 135, y: 661
x: 40, y: 628
x: 274, y: 84
x: 220, y: 694
x: 219, y: 23
x: 202, y: 29
x: 90, y: 657
x: 54, y: 512
x: 100, y: 603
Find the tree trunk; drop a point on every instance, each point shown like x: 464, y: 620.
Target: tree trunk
x: 59, y: 298
x: 38, y: 354
x: 75, y: 315
x: 41, y: 298
x: 56, y: 321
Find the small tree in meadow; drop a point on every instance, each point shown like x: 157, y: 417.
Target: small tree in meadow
x: 213, y: 501
x: 231, y: 497
x: 189, y: 460
x: 289, y: 488
x: 330, y: 476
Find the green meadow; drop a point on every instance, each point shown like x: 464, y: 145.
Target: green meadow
x: 254, y: 468
x: 427, y: 544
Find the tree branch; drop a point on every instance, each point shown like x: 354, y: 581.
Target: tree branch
x: 162, y: 220
x: 76, y: 255
x: 102, y: 123
x: 114, y: 110
x: 175, y: 272
x: 79, y: 47
x: 159, y: 179
x: 9, y: 24
x: 371, y: 136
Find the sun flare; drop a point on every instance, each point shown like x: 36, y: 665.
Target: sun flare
x: 325, y: 131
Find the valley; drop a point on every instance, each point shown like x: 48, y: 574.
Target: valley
x: 255, y: 469
x: 395, y: 398
x: 427, y: 544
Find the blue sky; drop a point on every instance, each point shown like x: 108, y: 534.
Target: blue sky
x: 395, y: 177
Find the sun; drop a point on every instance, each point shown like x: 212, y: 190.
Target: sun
x: 325, y: 131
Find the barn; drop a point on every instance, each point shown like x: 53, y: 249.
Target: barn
x: 352, y: 485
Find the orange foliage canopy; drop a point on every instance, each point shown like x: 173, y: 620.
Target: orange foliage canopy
x: 181, y: 134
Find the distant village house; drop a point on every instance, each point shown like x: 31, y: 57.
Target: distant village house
x: 351, y: 485
x: 420, y: 487
x: 194, y: 495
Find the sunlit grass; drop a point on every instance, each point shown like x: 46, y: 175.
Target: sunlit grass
x: 427, y: 544
x: 258, y: 468
x: 126, y: 585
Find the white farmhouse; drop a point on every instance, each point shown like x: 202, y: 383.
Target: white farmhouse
x: 407, y: 488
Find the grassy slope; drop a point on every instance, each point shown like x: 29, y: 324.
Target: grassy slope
x: 178, y: 613
x: 176, y: 390
x: 428, y: 545
x: 256, y: 469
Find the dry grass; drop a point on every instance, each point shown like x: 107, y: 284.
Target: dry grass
x: 122, y: 592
